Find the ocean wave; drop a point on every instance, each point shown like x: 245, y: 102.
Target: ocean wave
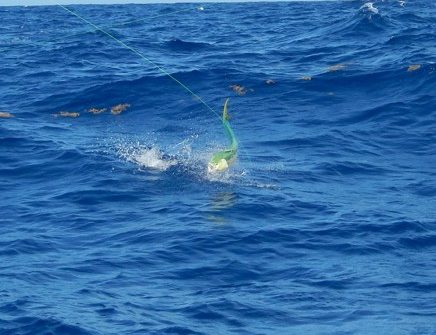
x: 27, y: 246
x: 33, y: 325
x: 122, y: 89
x: 110, y: 224
x: 181, y: 45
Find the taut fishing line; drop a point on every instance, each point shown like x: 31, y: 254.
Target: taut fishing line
x: 186, y: 88
x: 142, y: 56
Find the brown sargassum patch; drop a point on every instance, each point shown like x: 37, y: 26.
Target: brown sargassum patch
x: 6, y: 115
x: 97, y: 110
x: 118, y: 109
x: 413, y: 67
x: 67, y: 114
x: 238, y: 89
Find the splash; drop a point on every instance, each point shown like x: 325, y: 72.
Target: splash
x: 147, y: 154
x: 146, y: 157
x: 153, y: 159
x: 184, y: 162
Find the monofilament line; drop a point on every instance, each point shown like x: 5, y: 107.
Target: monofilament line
x: 143, y: 57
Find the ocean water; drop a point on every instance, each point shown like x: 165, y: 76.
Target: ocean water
x: 325, y: 224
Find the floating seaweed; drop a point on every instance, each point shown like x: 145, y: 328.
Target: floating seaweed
x: 6, y: 115
x: 97, y: 110
x: 67, y: 114
x: 413, y: 67
x: 118, y: 109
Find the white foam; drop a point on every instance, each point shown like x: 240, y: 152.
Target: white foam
x: 369, y: 6
x: 152, y: 159
x: 145, y: 157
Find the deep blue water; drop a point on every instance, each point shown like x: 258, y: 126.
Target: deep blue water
x: 110, y: 224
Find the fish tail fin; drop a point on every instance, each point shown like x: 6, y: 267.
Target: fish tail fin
x: 225, y: 112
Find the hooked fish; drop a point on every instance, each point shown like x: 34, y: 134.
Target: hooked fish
x: 221, y: 160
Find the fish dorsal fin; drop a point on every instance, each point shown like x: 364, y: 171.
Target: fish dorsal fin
x: 226, y: 115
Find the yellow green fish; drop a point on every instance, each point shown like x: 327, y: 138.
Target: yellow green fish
x: 221, y: 160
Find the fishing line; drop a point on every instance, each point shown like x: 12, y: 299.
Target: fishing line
x: 186, y: 88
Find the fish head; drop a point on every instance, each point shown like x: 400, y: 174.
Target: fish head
x: 217, y: 165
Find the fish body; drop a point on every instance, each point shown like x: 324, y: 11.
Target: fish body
x: 221, y: 160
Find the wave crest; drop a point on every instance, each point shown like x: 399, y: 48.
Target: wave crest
x: 181, y: 45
